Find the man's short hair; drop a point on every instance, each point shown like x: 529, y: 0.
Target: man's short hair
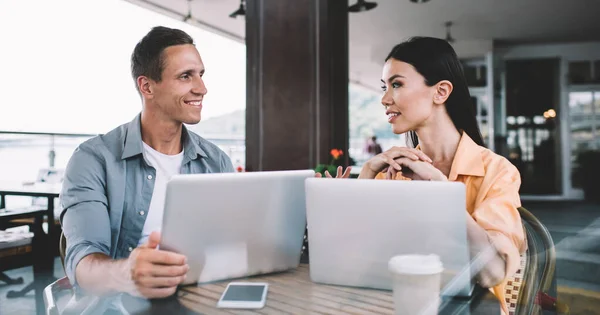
x: 147, y: 57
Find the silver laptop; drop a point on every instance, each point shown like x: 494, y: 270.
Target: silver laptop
x: 356, y: 226
x: 237, y: 224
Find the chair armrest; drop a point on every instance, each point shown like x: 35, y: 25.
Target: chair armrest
x: 50, y: 292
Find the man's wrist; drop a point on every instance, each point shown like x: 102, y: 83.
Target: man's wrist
x: 121, y: 280
x: 114, y: 275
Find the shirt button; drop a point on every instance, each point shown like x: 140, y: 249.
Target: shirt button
x: 130, y: 248
x: 142, y: 212
x: 149, y: 176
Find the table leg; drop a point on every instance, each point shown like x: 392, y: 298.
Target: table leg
x: 50, y: 213
x: 8, y: 280
x: 42, y: 275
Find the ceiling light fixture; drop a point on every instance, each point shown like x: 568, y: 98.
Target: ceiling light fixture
x: 361, y: 6
x: 419, y: 1
x: 240, y: 11
x: 188, y: 17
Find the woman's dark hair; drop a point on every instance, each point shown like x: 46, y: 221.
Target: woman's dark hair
x: 436, y: 60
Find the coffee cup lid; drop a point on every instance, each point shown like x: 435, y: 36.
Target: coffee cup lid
x: 416, y: 264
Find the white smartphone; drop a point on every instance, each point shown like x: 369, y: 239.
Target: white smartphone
x: 248, y: 295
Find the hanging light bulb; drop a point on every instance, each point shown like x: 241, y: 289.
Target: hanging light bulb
x: 449, y: 37
x: 189, y: 17
x: 240, y: 11
x: 361, y: 6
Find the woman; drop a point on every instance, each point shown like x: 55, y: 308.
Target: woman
x: 426, y: 96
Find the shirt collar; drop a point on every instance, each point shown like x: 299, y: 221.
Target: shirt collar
x: 191, y: 146
x: 133, y: 138
x: 133, y: 141
x: 468, y: 159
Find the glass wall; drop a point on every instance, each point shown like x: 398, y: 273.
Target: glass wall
x: 584, y: 112
x: 532, y: 117
x: 82, y: 83
x: 368, y: 119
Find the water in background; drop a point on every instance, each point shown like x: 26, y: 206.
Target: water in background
x: 22, y: 156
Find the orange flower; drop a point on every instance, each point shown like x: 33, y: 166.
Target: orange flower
x: 335, y: 153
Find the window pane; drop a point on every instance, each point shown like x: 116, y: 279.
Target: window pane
x: 581, y: 125
x: 576, y: 148
x: 581, y: 128
x: 476, y: 75
x: 484, y: 128
x: 580, y: 72
x: 597, y: 117
x: 580, y: 103
x: 367, y: 119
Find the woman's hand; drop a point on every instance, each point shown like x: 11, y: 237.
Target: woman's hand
x: 339, y: 174
x: 416, y: 170
x: 387, y: 160
x: 486, y: 262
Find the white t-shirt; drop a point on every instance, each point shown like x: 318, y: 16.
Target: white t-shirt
x: 166, y: 166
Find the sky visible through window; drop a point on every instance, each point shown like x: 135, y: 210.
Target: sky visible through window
x: 65, y: 65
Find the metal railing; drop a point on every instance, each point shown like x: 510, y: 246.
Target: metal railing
x: 25, y: 139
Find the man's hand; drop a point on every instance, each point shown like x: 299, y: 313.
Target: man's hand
x: 339, y: 174
x: 156, y: 273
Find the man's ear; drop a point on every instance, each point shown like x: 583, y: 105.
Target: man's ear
x: 145, y: 87
x: 442, y: 92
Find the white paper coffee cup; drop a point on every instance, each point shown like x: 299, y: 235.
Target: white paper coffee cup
x: 416, y: 283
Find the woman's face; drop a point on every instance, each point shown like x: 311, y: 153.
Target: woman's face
x: 407, y: 99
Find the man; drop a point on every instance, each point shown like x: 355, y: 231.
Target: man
x: 114, y: 187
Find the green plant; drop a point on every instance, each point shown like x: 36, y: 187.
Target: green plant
x: 587, y: 172
x: 336, y: 155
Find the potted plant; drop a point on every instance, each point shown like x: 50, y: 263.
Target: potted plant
x: 336, y: 160
x: 587, y: 173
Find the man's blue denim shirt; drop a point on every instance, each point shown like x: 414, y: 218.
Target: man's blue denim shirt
x: 108, y: 186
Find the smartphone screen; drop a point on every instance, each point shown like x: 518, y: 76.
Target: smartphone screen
x: 243, y: 292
